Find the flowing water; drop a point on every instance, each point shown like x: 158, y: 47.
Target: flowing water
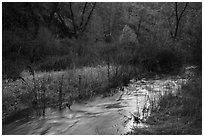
x: 116, y: 114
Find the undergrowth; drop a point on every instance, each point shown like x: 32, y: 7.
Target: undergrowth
x: 179, y: 114
x: 73, y: 84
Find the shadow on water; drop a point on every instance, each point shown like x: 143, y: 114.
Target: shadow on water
x: 114, y: 105
x: 23, y: 115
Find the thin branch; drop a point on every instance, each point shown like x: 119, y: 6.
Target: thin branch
x: 61, y: 19
x: 55, y: 8
x: 183, y: 10
x: 84, y: 28
x: 176, y: 10
x: 178, y: 17
x: 73, y: 21
x: 82, y: 17
x: 65, y: 29
x: 139, y: 25
x: 171, y: 33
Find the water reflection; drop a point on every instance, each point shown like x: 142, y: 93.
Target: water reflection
x: 117, y: 114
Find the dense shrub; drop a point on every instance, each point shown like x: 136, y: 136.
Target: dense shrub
x: 183, y: 109
x: 168, y: 61
x: 55, y: 63
x: 156, y: 59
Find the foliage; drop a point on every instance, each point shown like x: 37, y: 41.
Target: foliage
x: 76, y: 29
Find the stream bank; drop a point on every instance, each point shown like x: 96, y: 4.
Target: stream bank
x: 177, y: 114
x: 119, y: 114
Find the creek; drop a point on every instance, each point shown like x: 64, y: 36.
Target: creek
x: 113, y: 115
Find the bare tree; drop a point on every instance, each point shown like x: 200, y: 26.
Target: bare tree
x: 178, y: 17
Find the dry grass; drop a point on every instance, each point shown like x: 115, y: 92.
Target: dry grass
x: 179, y: 114
x: 78, y: 84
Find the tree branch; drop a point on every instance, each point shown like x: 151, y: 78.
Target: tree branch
x: 55, y: 8
x: 183, y: 10
x: 178, y: 17
x: 170, y: 30
x: 82, y: 17
x: 64, y: 27
x: 88, y: 18
x: 73, y: 21
x: 139, y: 25
x: 176, y: 10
